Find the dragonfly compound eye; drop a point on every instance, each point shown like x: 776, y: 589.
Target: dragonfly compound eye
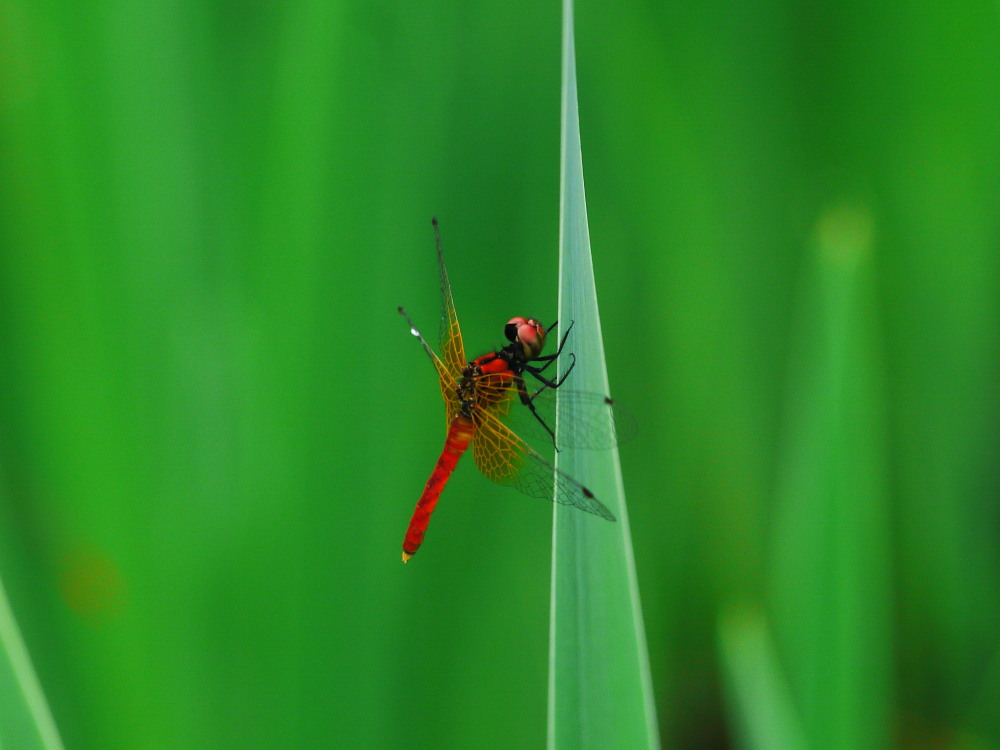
x: 528, y: 332
x: 511, y: 329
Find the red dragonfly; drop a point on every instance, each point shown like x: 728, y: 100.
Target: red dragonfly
x: 487, y: 402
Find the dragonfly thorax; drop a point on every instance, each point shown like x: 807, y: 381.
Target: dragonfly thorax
x: 485, y: 380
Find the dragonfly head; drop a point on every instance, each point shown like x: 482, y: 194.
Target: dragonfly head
x: 527, y: 332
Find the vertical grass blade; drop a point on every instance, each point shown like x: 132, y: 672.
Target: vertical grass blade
x: 600, y: 692
x: 761, y: 707
x: 831, y: 581
x: 25, y: 719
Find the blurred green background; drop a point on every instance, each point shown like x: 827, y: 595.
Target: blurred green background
x: 214, y: 424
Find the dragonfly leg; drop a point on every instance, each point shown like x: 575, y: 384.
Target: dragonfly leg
x: 548, y: 359
x: 536, y: 372
x: 529, y: 401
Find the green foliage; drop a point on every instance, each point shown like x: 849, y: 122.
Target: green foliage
x: 830, y: 585
x: 214, y: 424
x: 25, y: 719
x: 763, y: 714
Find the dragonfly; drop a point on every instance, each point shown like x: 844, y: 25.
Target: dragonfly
x: 490, y: 401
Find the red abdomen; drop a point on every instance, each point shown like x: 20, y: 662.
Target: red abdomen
x: 459, y: 435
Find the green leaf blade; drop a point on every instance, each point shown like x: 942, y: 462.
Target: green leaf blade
x: 762, y: 712
x: 25, y: 718
x: 600, y: 690
x: 831, y: 576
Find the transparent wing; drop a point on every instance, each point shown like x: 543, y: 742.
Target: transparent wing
x: 586, y: 420
x: 506, y: 459
x: 448, y: 378
x: 450, y: 336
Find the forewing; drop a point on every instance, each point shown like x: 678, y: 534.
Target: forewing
x: 447, y: 377
x: 506, y: 459
x: 450, y: 339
